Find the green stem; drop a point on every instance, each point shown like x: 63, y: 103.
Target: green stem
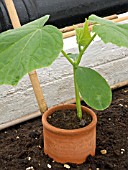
x: 68, y: 58
x: 83, y: 50
x: 79, y: 46
x: 78, y: 103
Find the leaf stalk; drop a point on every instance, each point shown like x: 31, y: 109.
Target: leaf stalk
x: 68, y: 58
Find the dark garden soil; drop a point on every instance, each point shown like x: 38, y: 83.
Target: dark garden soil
x: 68, y: 119
x: 21, y: 146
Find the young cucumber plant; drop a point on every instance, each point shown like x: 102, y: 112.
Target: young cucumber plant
x: 93, y: 88
x: 35, y: 46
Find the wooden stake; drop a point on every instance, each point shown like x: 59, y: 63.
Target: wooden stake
x: 111, y: 17
x: 120, y: 19
x: 38, y: 91
x: 33, y: 75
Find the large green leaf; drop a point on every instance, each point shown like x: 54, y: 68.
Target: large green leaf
x: 93, y: 88
x: 109, y: 31
x: 83, y: 35
x: 30, y: 47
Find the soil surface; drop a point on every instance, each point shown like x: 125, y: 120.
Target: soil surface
x: 21, y: 146
x: 68, y: 119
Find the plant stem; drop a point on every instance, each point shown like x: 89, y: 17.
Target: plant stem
x: 78, y: 103
x: 68, y: 58
x: 79, y: 46
x: 83, y: 50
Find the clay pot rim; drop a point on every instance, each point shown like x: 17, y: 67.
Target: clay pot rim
x: 67, y: 131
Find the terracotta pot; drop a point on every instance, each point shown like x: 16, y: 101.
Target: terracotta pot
x: 72, y: 146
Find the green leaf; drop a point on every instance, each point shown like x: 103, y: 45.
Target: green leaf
x: 30, y: 47
x: 109, y: 31
x: 83, y: 35
x: 93, y: 88
x: 73, y: 56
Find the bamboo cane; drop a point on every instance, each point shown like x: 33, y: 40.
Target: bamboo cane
x: 72, y: 33
x: 33, y: 75
x: 111, y: 17
x: 120, y: 19
x: 71, y: 28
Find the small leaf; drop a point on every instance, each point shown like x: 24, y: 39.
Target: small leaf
x: 73, y: 56
x: 109, y: 31
x: 93, y: 88
x: 83, y: 35
x: 30, y: 47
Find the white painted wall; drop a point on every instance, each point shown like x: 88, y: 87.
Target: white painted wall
x: 57, y: 80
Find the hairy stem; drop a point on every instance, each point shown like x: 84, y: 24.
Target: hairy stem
x: 78, y: 103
